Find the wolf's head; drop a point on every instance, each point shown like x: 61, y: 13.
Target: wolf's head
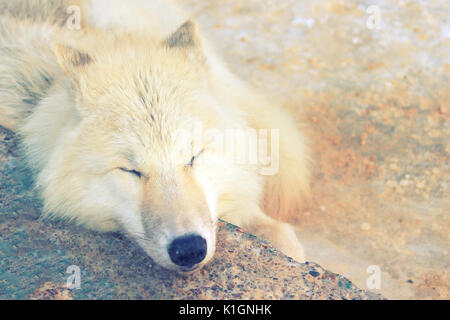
x: 132, y: 161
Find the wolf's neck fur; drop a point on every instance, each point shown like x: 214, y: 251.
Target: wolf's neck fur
x: 57, y: 113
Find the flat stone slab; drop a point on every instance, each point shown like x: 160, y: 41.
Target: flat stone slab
x: 35, y: 256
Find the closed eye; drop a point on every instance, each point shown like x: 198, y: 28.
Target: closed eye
x: 194, y: 158
x: 134, y: 172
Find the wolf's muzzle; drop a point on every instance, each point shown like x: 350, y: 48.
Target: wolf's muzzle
x: 188, y: 251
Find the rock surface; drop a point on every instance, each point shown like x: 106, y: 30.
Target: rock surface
x: 35, y: 256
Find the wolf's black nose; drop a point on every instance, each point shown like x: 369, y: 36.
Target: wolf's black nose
x: 187, y: 251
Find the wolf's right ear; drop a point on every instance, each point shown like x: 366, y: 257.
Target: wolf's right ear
x: 71, y: 60
x: 187, y: 37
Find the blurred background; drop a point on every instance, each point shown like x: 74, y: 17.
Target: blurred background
x: 370, y: 81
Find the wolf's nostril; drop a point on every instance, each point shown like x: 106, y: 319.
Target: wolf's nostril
x: 187, y: 251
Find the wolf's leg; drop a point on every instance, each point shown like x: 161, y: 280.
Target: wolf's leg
x: 253, y: 220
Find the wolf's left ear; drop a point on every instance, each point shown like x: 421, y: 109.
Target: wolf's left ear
x: 71, y: 60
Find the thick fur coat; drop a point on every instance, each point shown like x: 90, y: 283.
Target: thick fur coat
x: 121, y: 121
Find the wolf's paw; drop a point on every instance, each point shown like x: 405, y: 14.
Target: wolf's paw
x: 286, y: 241
x: 105, y: 225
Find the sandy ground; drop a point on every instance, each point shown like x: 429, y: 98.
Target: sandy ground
x: 374, y: 98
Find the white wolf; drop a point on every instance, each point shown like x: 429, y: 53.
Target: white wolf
x: 105, y: 103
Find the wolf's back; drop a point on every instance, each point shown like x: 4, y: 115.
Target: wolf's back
x: 27, y: 68
x: 38, y: 11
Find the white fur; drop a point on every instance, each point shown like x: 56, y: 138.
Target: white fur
x: 120, y: 94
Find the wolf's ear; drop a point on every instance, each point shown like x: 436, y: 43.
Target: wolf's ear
x: 71, y: 60
x: 187, y: 36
